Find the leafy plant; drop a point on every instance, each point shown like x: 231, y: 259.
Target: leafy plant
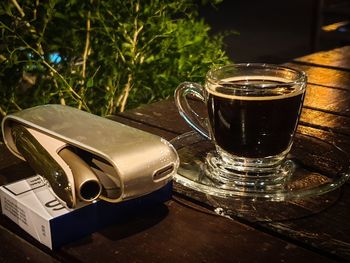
x: 100, y: 56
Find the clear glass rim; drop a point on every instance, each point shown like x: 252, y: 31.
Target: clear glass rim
x: 298, y: 77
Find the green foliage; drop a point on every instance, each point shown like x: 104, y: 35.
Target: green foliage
x: 113, y: 54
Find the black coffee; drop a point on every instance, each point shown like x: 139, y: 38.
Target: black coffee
x: 257, y: 123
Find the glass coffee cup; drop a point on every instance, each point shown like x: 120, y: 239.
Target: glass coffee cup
x: 253, y: 112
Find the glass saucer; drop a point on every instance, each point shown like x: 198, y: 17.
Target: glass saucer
x: 320, y: 167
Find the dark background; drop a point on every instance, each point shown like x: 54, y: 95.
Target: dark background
x: 275, y: 31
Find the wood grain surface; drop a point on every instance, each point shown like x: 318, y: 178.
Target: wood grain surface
x: 336, y: 58
x: 188, y: 228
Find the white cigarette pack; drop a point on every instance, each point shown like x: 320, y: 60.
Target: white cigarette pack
x: 32, y: 206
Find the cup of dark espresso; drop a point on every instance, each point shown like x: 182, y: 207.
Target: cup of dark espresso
x: 253, y: 112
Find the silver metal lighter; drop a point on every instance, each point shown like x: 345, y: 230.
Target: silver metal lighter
x: 84, y: 157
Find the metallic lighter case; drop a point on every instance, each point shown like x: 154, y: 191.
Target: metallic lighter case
x: 127, y: 162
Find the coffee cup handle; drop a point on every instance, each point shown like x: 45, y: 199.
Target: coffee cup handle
x: 197, y: 122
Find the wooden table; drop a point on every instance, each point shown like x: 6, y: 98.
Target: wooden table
x: 187, y: 230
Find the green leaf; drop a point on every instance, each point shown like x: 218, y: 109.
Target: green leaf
x: 90, y: 83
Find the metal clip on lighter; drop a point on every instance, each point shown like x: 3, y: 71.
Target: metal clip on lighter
x: 84, y: 157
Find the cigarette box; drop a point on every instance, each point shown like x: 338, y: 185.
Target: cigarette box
x: 32, y: 206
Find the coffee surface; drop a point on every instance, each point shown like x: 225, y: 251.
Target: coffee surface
x: 257, y: 122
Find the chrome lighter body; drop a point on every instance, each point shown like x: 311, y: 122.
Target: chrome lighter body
x: 127, y: 162
x: 44, y: 164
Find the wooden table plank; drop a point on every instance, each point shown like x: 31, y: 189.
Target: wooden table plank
x: 326, y: 231
x: 325, y: 121
x: 163, y: 115
x: 325, y: 76
x: 338, y: 58
x: 328, y: 100
x: 342, y: 141
x: 177, y: 233
x: 6, y: 157
x: 14, y: 249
